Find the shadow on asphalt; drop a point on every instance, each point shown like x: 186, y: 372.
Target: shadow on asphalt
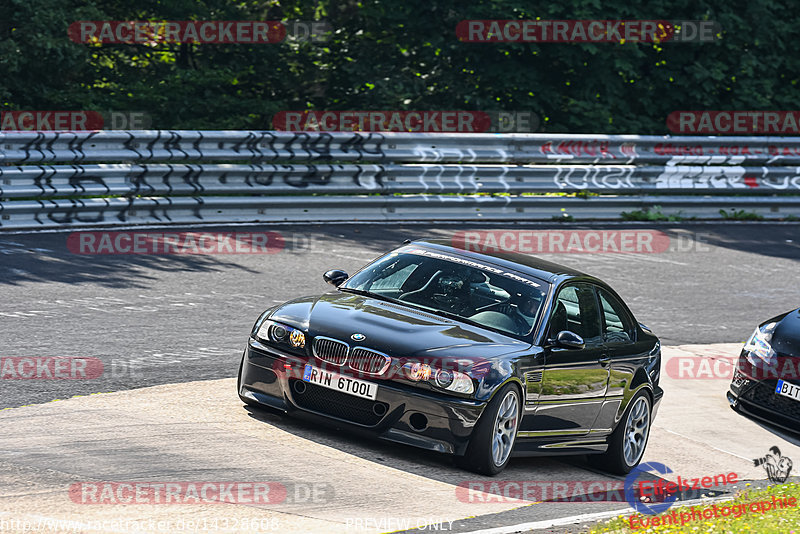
x: 44, y: 257
x: 573, y: 471
x: 366, y: 445
x: 794, y: 439
x: 441, y: 467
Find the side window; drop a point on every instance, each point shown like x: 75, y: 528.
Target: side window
x: 576, y: 310
x: 617, y: 326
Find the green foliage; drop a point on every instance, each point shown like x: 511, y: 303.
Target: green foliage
x: 400, y: 55
x: 564, y: 217
x: 776, y: 520
x: 652, y: 214
x: 740, y: 215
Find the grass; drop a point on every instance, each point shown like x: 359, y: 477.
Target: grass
x: 650, y: 214
x: 740, y: 215
x: 780, y: 521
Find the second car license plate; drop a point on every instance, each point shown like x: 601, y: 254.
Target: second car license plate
x: 788, y: 390
x: 345, y: 384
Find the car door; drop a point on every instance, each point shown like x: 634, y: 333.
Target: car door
x: 574, y: 381
x: 619, y: 337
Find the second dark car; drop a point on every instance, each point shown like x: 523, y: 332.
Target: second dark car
x: 478, y: 355
x: 766, y: 382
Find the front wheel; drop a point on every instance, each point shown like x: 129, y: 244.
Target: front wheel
x: 628, y: 441
x: 492, y: 440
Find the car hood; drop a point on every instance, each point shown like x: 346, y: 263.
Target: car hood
x: 786, y: 337
x: 392, y: 328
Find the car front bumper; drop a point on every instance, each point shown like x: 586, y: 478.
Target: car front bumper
x: 756, y: 397
x: 399, y: 413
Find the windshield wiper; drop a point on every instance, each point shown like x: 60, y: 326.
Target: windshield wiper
x: 446, y: 314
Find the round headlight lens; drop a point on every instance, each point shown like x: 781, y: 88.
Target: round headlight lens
x: 278, y: 332
x: 444, y: 378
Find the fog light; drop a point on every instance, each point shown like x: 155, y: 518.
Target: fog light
x: 297, y: 339
x: 418, y: 371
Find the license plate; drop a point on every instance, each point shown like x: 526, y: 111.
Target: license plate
x: 788, y: 390
x: 337, y: 382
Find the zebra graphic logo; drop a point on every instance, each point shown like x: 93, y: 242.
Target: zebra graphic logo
x: 777, y: 467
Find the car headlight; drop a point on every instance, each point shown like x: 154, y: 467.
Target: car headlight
x: 759, y: 345
x: 282, y: 334
x: 442, y: 378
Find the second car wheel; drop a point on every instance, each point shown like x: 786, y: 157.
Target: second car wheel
x: 492, y: 440
x: 628, y: 441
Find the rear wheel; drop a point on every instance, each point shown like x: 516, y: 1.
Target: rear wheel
x: 492, y: 440
x: 628, y: 441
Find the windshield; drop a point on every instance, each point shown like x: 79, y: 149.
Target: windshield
x: 483, y: 294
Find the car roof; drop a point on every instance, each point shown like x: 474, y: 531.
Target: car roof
x: 523, y: 263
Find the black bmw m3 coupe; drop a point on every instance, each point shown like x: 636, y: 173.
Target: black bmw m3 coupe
x: 480, y: 355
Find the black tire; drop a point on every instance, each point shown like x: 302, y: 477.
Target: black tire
x: 614, y: 460
x: 479, y: 456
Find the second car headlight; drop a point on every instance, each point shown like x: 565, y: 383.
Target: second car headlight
x: 759, y: 345
x: 442, y: 378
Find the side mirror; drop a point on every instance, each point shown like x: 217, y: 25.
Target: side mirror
x: 335, y: 277
x: 569, y: 340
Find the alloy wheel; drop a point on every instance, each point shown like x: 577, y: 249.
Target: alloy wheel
x: 505, y: 428
x: 636, y: 430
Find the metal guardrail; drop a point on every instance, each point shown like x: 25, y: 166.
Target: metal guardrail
x: 49, y: 179
x: 167, y: 210
x: 264, y: 179
x: 271, y: 146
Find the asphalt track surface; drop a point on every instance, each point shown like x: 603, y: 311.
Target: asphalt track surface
x: 334, y: 481
x: 160, y: 319
x: 181, y: 321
